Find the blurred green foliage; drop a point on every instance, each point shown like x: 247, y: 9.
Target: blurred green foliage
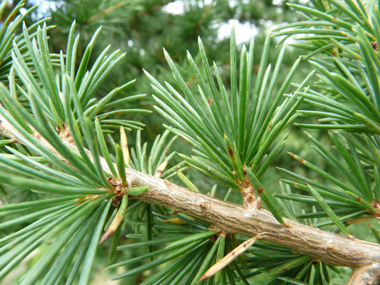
x: 142, y: 28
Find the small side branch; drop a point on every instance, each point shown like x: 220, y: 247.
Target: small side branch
x: 367, y: 275
x: 250, y: 201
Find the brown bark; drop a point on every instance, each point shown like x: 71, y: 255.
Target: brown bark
x: 324, y: 246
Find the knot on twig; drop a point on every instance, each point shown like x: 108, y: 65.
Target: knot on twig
x: 220, y: 232
x: 119, y: 190
x: 250, y: 200
x: 65, y: 133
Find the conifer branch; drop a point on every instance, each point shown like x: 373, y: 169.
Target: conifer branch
x: 334, y: 249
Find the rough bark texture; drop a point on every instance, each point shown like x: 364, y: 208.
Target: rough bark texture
x: 321, y: 245
x: 362, y: 256
x: 366, y: 275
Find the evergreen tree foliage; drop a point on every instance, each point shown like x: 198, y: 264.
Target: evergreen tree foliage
x: 72, y: 185
x: 143, y: 28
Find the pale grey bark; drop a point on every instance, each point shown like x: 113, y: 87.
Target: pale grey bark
x: 334, y: 249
